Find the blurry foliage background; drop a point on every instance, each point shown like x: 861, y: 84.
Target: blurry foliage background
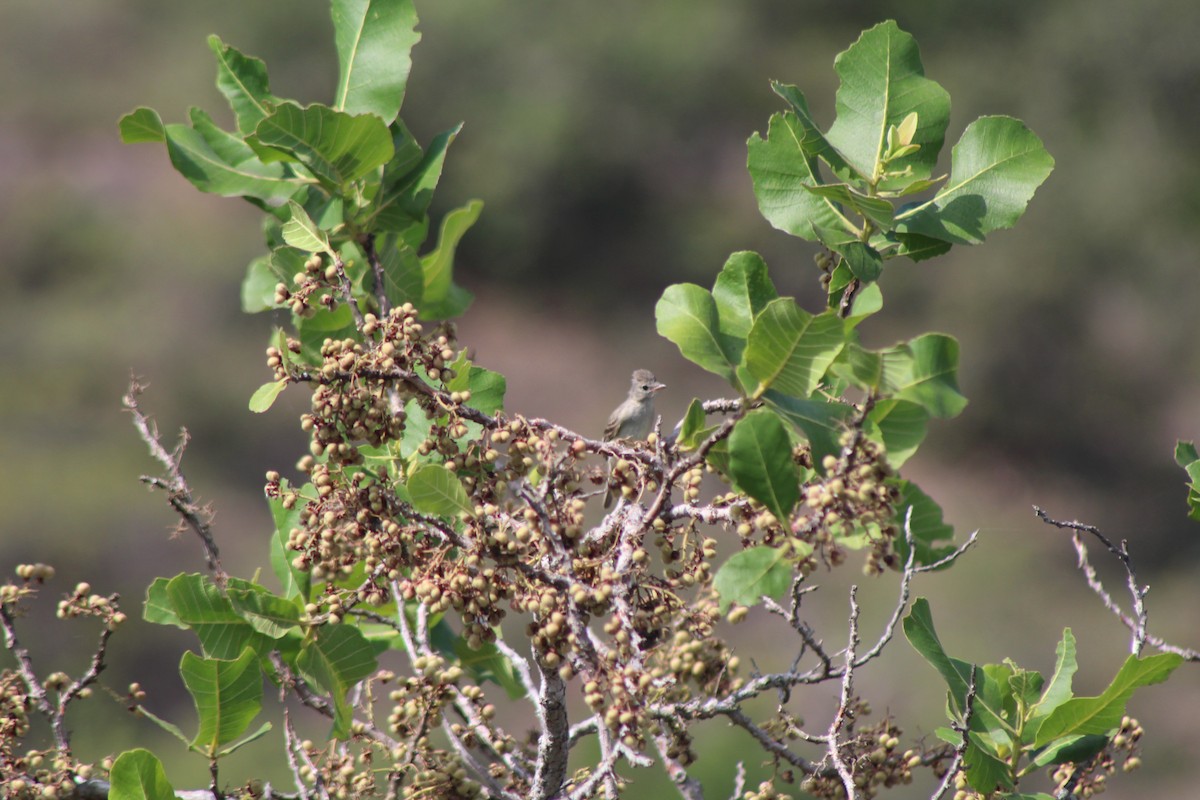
x: 608, y: 142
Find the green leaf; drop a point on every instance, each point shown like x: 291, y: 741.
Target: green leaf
x: 900, y: 426
x: 268, y: 614
x: 875, y: 209
x: 258, y: 287
x: 749, y: 575
x: 882, y: 81
x: 781, y: 172
x: 692, y: 429
x: 1059, y: 689
x: 1187, y: 457
x: 862, y: 368
x: 814, y: 142
x: 324, y: 324
x: 927, y: 524
x: 686, y: 314
x: 868, y: 301
x: 403, y: 275
x: 374, y: 40
x: 1087, y: 715
x: 741, y: 291
x: 158, y: 607
x: 441, y: 298
x: 201, y: 606
x: 760, y: 461
x: 335, y: 657
x: 996, y: 167
x: 141, y: 125
x: 924, y: 371
x: 864, y: 261
x: 438, y: 491
x: 193, y: 156
x: 487, y: 387
x: 789, y: 350
x: 296, y: 582
x: 1069, y: 750
x: 918, y: 247
x: 920, y: 632
x: 302, y: 233
x: 243, y: 81
x: 264, y: 396
x: 227, y: 694
x: 139, y: 775
x: 820, y: 421
x: 337, y: 147
x: 407, y: 190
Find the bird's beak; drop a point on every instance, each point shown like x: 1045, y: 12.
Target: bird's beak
x: 657, y: 387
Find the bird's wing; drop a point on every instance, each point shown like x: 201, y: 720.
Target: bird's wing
x: 614, y: 424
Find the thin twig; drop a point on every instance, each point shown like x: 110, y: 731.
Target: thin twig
x: 179, y: 494
x: 1137, y: 624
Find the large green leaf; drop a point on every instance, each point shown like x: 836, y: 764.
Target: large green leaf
x: 900, y: 426
x: 790, y: 350
x: 820, y: 421
x: 749, y: 575
x: 1101, y: 714
x: 813, y: 142
x: 924, y: 371
x: 921, y: 634
x: 882, y: 82
x: 403, y: 275
x: 742, y: 289
x: 407, y: 188
x: 227, y: 694
x: 267, y: 613
x: 335, y: 657
x: 441, y: 297
x: 760, y: 461
x: 243, y: 81
x: 196, y: 603
x: 374, y: 40
x: 139, y: 775
x: 996, y: 167
x: 438, y: 491
x: 335, y: 146
x: 781, y: 172
x: 192, y: 154
x: 1059, y: 689
x: 687, y: 315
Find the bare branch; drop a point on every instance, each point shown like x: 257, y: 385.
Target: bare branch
x: 1137, y: 624
x: 179, y: 494
x: 847, y: 697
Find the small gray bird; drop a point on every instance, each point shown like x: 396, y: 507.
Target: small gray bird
x: 634, y: 418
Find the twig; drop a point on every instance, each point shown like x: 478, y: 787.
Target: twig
x: 846, y: 698
x: 1136, y: 624
x: 179, y: 493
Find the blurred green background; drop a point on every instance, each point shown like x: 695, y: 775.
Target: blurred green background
x: 608, y: 143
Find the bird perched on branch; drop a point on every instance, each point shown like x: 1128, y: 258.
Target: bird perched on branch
x: 634, y: 418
